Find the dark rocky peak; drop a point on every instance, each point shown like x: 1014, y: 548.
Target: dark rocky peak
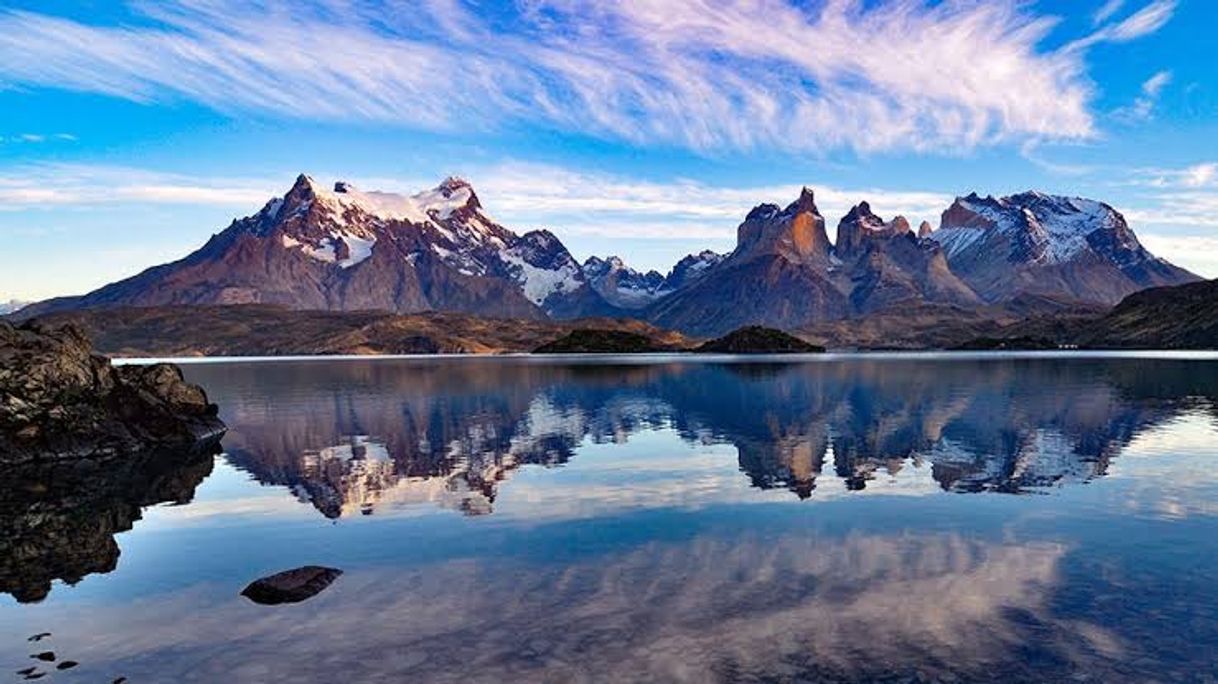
x: 861, y: 214
x: 543, y: 249
x: 805, y: 204
x: 303, y: 192
x: 797, y: 234
x: 861, y: 227
x: 595, y: 263
x: 541, y: 238
x: 762, y: 212
x: 924, y: 230
x: 691, y: 268
x: 455, y: 187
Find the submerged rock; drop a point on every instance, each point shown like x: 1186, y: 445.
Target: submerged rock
x: 755, y: 339
x: 291, y: 586
x: 59, y: 400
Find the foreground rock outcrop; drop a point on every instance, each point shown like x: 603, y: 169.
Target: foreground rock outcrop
x: 59, y: 400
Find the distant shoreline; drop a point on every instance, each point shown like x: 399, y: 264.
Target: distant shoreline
x: 687, y: 357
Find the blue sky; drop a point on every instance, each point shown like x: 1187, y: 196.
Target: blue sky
x: 130, y: 132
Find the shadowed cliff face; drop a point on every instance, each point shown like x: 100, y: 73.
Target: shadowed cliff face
x: 58, y: 400
x: 58, y: 521
x: 356, y: 437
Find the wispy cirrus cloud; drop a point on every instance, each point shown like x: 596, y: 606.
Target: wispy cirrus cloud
x: 37, y: 138
x: 1147, y: 20
x: 530, y: 195
x: 55, y: 186
x: 708, y: 75
x: 1107, y: 11
x: 1143, y: 106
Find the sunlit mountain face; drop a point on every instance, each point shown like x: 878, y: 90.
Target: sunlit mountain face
x: 365, y: 438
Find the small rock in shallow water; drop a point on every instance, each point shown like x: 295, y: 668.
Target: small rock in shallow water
x: 39, y: 636
x: 67, y: 665
x: 291, y: 586
x: 27, y: 671
x: 47, y: 656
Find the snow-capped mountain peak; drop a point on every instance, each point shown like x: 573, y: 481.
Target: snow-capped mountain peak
x: 620, y: 284
x: 1050, y: 229
x: 1083, y: 248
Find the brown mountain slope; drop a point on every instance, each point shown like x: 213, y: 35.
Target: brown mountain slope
x: 264, y: 330
x: 343, y: 249
x: 1181, y: 317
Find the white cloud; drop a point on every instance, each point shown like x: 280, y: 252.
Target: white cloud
x: 37, y: 137
x: 1200, y: 175
x: 1143, y: 106
x: 49, y: 186
x: 1107, y: 11
x: 1153, y: 86
x: 1144, y: 22
x: 1197, y: 253
x: 574, y: 203
x: 703, y: 74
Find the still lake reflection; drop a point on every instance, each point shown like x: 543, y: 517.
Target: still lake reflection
x: 527, y: 519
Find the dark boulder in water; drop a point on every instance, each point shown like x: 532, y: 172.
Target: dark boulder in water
x: 60, y: 401
x: 291, y: 586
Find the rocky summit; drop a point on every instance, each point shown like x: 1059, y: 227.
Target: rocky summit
x: 344, y: 249
x: 785, y: 273
x: 1033, y: 243
x: 58, y: 400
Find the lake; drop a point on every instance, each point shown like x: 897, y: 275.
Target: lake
x: 838, y: 518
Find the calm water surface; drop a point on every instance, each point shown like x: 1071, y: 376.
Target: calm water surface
x: 850, y: 518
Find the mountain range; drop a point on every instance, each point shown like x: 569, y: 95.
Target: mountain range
x: 344, y: 249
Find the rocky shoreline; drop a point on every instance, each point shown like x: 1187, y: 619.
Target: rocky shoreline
x: 61, y: 401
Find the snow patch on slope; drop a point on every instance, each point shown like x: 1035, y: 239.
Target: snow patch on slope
x: 540, y: 283
x: 326, y: 250
x: 359, y: 249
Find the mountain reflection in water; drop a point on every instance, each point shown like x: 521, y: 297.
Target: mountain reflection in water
x: 354, y: 436
x: 645, y: 520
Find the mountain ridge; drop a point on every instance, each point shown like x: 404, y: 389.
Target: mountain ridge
x: 345, y: 249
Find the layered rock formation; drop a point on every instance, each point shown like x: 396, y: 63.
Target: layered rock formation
x: 779, y: 275
x: 58, y: 400
x: 785, y: 273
